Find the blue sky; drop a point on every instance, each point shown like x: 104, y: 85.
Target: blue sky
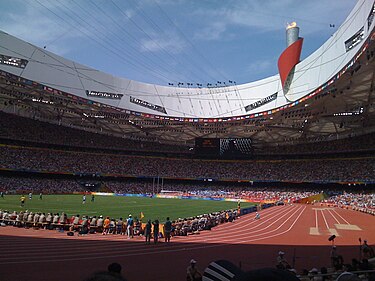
x: 171, y: 41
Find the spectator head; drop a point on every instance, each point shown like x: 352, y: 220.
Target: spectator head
x: 267, y: 274
x: 115, y: 268
x: 347, y: 276
x: 105, y: 276
x: 314, y: 271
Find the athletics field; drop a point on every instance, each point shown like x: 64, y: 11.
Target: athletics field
x: 118, y: 206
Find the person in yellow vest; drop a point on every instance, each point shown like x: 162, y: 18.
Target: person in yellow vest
x: 23, y: 198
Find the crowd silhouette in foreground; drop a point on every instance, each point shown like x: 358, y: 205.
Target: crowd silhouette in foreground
x: 224, y: 270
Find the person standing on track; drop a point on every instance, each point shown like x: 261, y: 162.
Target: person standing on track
x: 167, y: 230
x: 129, y: 227
x: 156, y: 230
x: 148, y: 230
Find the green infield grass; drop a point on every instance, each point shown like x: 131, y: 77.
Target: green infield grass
x: 118, y: 206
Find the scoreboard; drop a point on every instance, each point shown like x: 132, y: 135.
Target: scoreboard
x: 207, y: 147
x: 227, y: 148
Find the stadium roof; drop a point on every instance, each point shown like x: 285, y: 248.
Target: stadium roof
x: 330, y: 95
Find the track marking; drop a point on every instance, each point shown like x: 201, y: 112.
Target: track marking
x: 341, y: 217
x: 324, y: 218
x: 333, y: 231
x: 329, y: 211
x: 314, y: 231
x: 347, y: 227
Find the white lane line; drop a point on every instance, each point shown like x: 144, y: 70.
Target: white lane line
x: 329, y: 211
x: 246, y: 233
x: 250, y: 220
x: 324, y: 218
x: 341, y: 217
x: 232, y: 239
x: 316, y: 219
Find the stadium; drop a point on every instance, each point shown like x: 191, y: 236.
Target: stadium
x: 246, y: 172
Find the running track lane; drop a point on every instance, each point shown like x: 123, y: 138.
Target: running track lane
x: 45, y: 255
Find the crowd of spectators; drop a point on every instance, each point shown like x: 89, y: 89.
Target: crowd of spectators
x: 252, y: 194
x: 48, y: 160
x: 362, y: 201
x: 83, y: 224
x: 24, y: 185
x: 350, y: 144
x: 19, y: 128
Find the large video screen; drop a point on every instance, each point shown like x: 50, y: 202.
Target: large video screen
x: 226, y: 148
x: 207, y: 147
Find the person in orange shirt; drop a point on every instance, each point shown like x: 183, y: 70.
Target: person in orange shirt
x: 106, y: 224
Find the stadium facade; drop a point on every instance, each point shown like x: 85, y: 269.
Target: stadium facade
x: 298, y: 106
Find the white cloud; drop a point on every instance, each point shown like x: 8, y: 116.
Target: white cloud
x: 172, y: 45
x: 260, y: 66
x: 32, y: 25
x: 266, y: 15
x: 213, y: 31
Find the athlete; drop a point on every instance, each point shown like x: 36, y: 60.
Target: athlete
x: 257, y: 216
x: 92, y: 197
x: 84, y: 199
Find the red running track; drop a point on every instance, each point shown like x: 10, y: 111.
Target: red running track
x: 302, y: 231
